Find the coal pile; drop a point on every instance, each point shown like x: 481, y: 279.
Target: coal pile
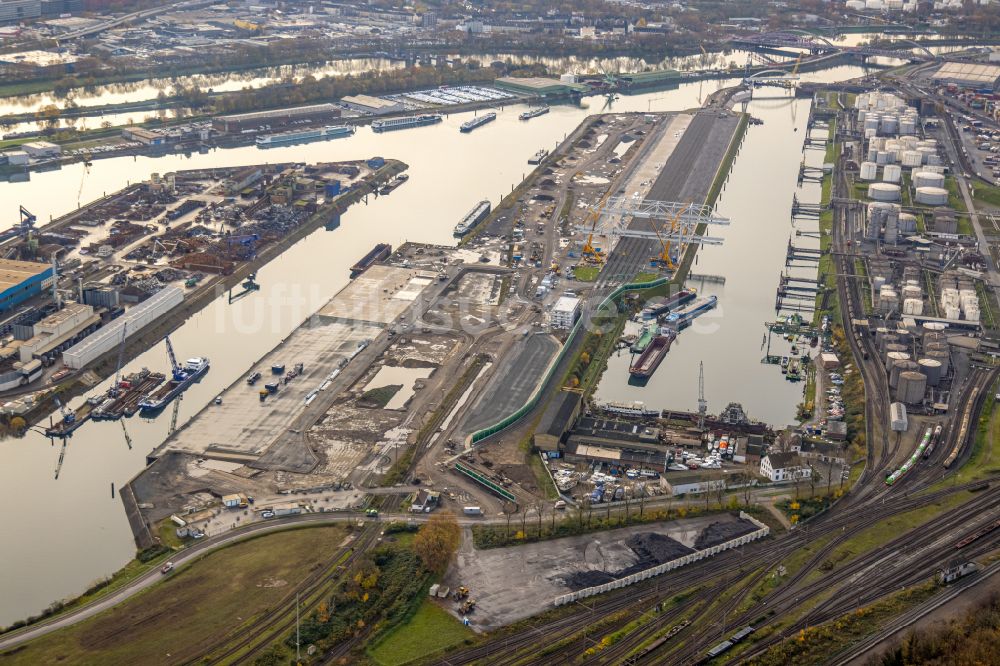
x: 717, y: 533
x: 653, y: 549
x: 590, y: 578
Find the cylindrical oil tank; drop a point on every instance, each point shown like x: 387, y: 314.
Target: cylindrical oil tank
x: 888, y: 339
x: 931, y: 196
x: 880, y: 333
x: 942, y: 357
x: 893, y: 348
x: 912, y: 291
x: 907, y: 125
x: 882, y: 157
x: 926, y: 152
x: 890, y: 124
x: 874, y: 5
x: 911, y: 158
x: 856, y: 5
x: 931, y: 368
x: 892, y: 173
x: 911, y: 387
x: 900, y: 366
x: 869, y: 170
x: 930, y: 327
x: 927, y: 179
x: 886, y: 192
x: 905, y: 337
x: 934, y: 160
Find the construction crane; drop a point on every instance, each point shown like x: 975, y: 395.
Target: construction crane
x: 702, y: 403
x: 665, y: 259
x: 175, y: 368
x: 589, y: 252
x: 118, y: 370
x: 795, y: 69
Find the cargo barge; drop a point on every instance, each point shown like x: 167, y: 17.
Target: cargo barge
x: 538, y: 157
x: 671, y: 302
x: 650, y: 359
x: 534, y: 113
x: 288, y: 138
x: 394, y: 183
x: 192, y: 370
x: 378, y: 253
x: 478, y: 121
x: 392, y: 124
x: 683, y: 318
x: 132, y: 389
x: 472, y: 218
x: 71, y: 420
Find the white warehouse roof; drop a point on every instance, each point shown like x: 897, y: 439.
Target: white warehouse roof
x: 566, y: 304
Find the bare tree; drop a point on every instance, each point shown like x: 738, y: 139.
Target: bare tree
x: 628, y: 504
x: 829, y: 475
x: 539, y: 508
x: 506, y: 533
x: 524, y: 521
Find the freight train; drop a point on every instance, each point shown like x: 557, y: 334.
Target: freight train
x: 963, y: 431
x: 912, y: 461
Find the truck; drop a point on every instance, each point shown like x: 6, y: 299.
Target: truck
x: 472, y: 511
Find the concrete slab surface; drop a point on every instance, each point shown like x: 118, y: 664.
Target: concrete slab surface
x: 510, y: 584
x: 378, y: 296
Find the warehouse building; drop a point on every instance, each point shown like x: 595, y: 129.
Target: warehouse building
x: 655, y: 79
x: 105, y: 339
x: 375, y: 106
x: 42, y: 149
x: 143, y: 136
x: 557, y: 419
x: 20, y: 280
x: 314, y: 113
x: 59, y: 330
x: 782, y: 466
x: 539, y: 86
x: 968, y: 75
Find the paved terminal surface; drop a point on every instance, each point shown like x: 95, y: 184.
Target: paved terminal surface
x: 687, y: 176
x: 243, y: 424
x: 379, y: 295
x: 512, y: 386
x: 510, y: 584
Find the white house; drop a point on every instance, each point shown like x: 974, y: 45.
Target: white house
x: 784, y: 467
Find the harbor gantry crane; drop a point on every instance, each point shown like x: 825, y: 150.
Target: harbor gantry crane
x: 666, y: 259
x: 589, y: 252
x: 684, y: 218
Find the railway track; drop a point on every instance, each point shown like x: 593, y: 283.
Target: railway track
x: 280, y: 620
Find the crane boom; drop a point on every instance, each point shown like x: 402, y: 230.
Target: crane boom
x: 174, y: 367
x: 121, y: 357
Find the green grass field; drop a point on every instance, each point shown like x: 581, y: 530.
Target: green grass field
x: 429, y: 630
x: 195, y: 608
x: 586, y: 273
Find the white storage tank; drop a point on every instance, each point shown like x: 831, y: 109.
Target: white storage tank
x: 882, y: 157
x: 911, y: 158
x: 926, y: 153
x: 878, y: 142
x: 892, y: 173
x: 927, y: 179
x: 871, y: 122
x: 933, y: 330
x: 913, y: 306
x: 856, y: 5
x: 907, y: 125
x: 874, y: 5
x: 912, y: 291
x: 869, y: 171
x: 911, y: 387
x: 931, y: 368
x: 931, y: 196
x: 886, y: 192
x: 889, y: 349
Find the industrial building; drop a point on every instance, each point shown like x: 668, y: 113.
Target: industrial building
x: 41, y: 149
x: 143, y: 136
x: 20, y: 280
x: 313, y: 113
x: 676, y: 484
x: 565, y: 312
x: 557, y: 419
x: 105, y: 339
x: 13, y: 11
x: 59, y: 330
x: 968, y: 75
x: 375, y: 106
x: 539, y: 86
x: 653, y: 79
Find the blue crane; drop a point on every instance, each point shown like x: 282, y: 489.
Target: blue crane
x: 175, y: 368
x: 27, y: 220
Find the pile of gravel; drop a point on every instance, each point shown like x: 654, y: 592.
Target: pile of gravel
x: 590, y: 578
x: 717, y: 533
x: 653, y: 549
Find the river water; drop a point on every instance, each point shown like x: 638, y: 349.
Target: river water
x: 62, y: 535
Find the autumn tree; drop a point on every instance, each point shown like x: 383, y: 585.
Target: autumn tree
x: 437, y: 541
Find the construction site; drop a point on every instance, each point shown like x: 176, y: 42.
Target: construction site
x: 407, y: 371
